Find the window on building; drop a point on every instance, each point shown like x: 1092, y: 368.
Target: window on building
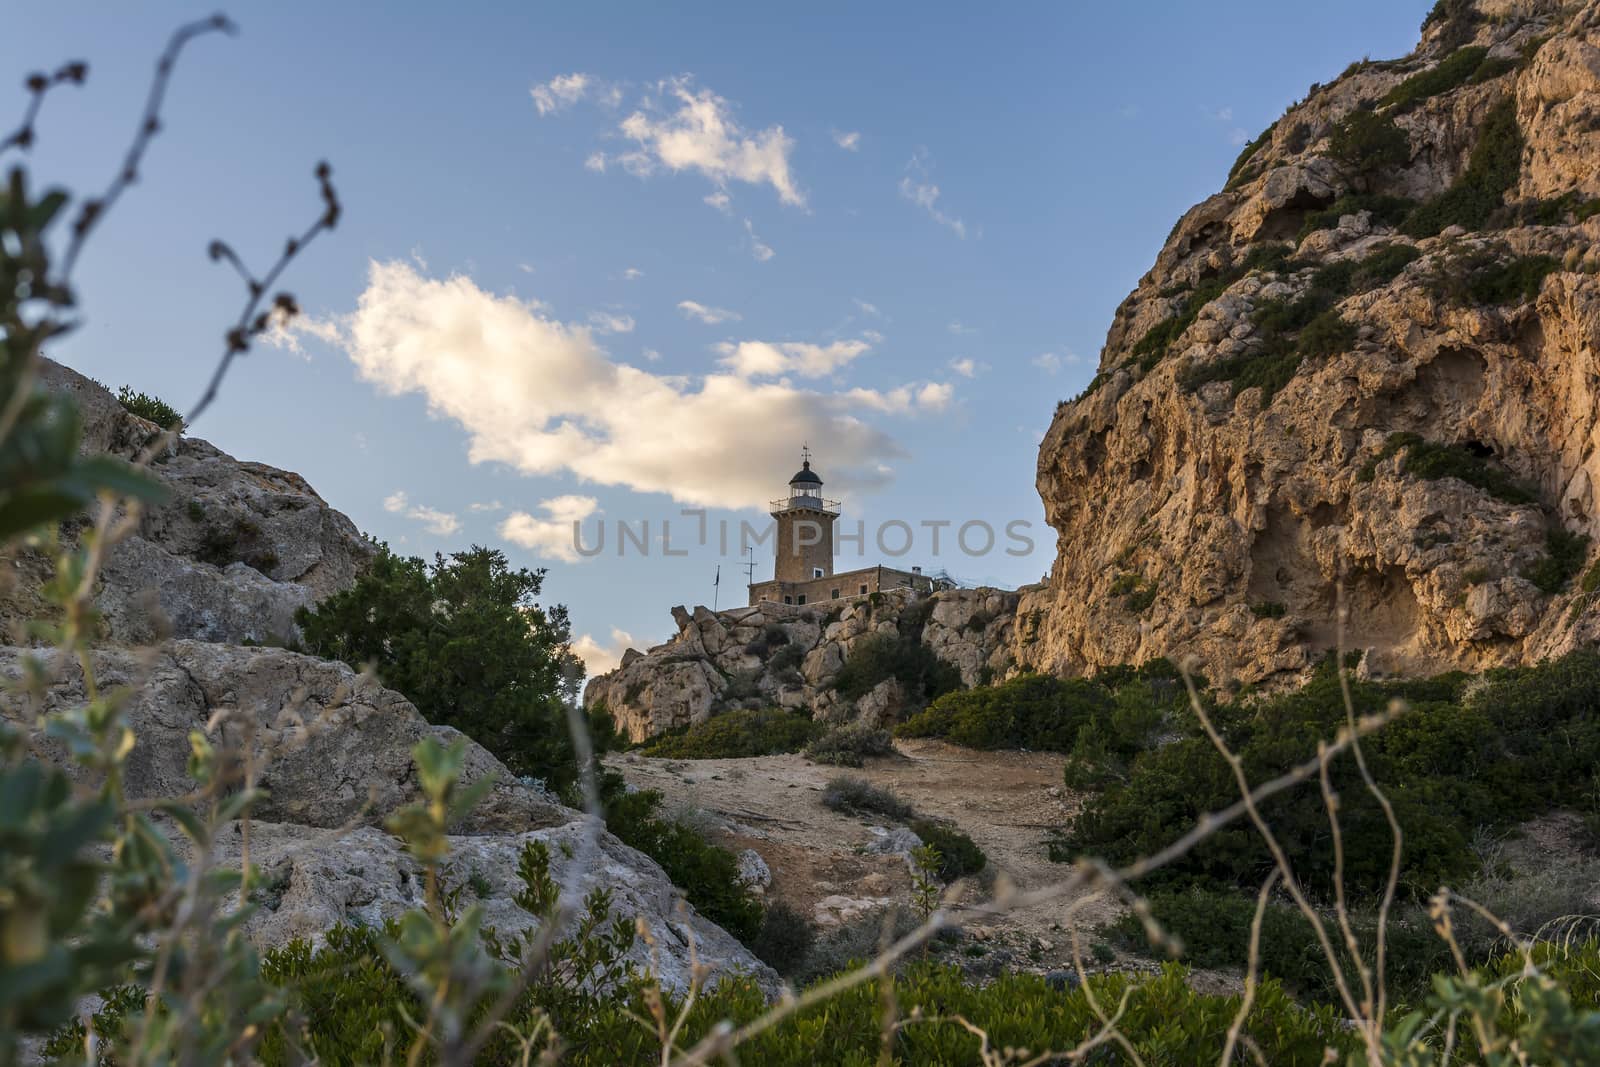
x: 816, y: 572
x: 835, y: 595
x: 863, y: 587
x: 788, y: 600
x: 801, y: 599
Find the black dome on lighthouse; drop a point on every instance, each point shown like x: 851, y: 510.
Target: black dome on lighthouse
x: 805, y: 476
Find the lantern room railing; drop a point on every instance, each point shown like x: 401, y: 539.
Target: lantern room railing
x: 804, y: 502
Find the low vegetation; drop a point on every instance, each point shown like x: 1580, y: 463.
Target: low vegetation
x: 1470, y: 64
x: 1385, y: 210
x: 1430, y: 460
x: 736, y: 734
x: 858, y: 796
x: 466, y: 640
x: 1464, y: 758
x: 850, y: 745
x: 150, y: 407
x: 878, y: 657
x: 1367, y: 141
x: 1492, y: 170
x: 1486, y: 275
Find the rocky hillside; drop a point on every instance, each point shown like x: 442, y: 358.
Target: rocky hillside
x: 777, y: 655
x: 1371, y: 356
x: 221, y: 566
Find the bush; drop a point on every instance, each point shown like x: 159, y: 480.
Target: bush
x: 150, y: 407
x: 959, y: 855
x: 850, y: 745
x: 465, y: 641
x: 878, y: 657
x: 1492, y: 170
x: 1366, y: 141
x: 1453, y: 70
x: 859, y: 796
x: 1451, y: 765
x: 1563, y: 559
x: 785, y: 939
x: 707, y: 874
x: 1033, y: 711
x: 1430, y: 461
x: 736, y: 734
x: 1388, y: 210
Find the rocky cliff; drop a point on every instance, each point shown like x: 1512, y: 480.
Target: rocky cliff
x: 229, y: 556
x: 777, y: 655
x: 1370, y: 359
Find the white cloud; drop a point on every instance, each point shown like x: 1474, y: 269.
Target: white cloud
x: 553, y: 535
x: 849, y: 141
x: 1049, y: 362
x: 709, y: 315
x: 596, y: 162
x: 721, y: 201
x: 492, y: 505
x: 632, y: 274
x: 867, y: 308
x: 599, y: 658
x: 872, y: 337
x: 935, y: 396
x: 651, y: 354
x: 689, y: 128
x: 752, y: 359
x: 543, y: 397
x: 1224, y: 114
x: 433, y: 520
x: 906, y: 399
x: 956, y: 326
x: 916, y: 187
x: 283, y: 333
x: 968, y: 367
x: 560, y: 92
x: 758, y: 248
x: 609, y: 322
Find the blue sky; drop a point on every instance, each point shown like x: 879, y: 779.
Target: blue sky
x: 609, y: 261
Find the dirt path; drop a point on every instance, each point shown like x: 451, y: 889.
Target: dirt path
x: 1008, y: 802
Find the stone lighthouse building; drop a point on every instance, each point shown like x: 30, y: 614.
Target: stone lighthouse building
x: 802, y: 571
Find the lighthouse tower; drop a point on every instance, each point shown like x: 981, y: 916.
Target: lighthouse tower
x: 805, y: 528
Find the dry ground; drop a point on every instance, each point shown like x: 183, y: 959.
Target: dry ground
x: 1008, y: 802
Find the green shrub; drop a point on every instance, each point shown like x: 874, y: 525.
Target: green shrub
x: 736, y: 734
x: 850, y: 745
x: 958, y: 854
x: 1492, y: 170
x: 859, y: 796
x: 1214, y: 928
x: 1453, y: 70
x: 1451, y: 765
x: 784, y: 940
x: 1430, y: 461
x: 1248, y: 151
x: 707, y: 873
x: 1033, y: 711
x: 1269, y: 609
x: 150, y: 407
x: 1388, y: 210
x: 465, y: 640
x: 1563, y: 559
x: 878, y: 657
x: 1154, y: 346
x: 1366, y: 141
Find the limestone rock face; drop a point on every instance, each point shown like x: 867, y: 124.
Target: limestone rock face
x: 779, y: 655
x: 1217, y: 520
x: 235, y: 549
x: 323, y: 878
x: 331, y: 748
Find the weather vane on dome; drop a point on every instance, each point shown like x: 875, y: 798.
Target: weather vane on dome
x: 805, y: 452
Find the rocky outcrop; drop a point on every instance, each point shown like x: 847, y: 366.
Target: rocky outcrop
x: 330, y: 748
x: 228, y: 557
x: 777, y: 655
x: 1208, y: 505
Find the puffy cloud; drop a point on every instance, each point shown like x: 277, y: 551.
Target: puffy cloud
x: 867, y: 308
x: 543, y: 397
x: 917, y: 187
x: 490, y: 505
x: 720, y: 200
x: 560, y: 92
x: 689, y: 128
x: 968, y: 367
x: 596, y: 162
x: 849, y: 141
x: 750, y: 359
x: 609, y: 322
x: 906, y: 399
x: 551, y: 536
x: 709, y: 315
x: 599, y: 658
x: 1049, y: 362
x: 433, y: 520
x: 632, y: 274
